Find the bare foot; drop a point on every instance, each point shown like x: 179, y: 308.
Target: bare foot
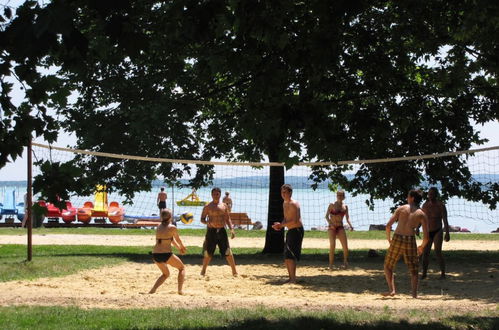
x: 181, y: 293
x: 235, y: 274
x: 344, y: 266
x: 331, y: 267
x: 388, y: 294
x: 152, y: 291
x: 289, y: 281
x: 203, y: 273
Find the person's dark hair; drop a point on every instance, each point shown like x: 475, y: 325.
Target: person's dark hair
x: 417, y: 195
x: 287, y: 187
x: 216, y: 189
x: 166, y: 216
x: 162, y: 188
x: 434, y: 190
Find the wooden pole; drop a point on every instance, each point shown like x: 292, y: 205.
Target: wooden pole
x: 29, y: 201
x: 173, y: 202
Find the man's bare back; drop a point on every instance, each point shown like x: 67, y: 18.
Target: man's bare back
x: 409, y: 219
x: 162, y: 196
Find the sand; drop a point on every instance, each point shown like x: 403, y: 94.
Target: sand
x: 468, y: 288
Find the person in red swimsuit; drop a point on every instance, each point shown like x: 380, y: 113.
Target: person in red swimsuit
x: 334, y: 216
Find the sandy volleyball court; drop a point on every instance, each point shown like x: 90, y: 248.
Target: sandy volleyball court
x: 467, y: 288
x: 242, y: 242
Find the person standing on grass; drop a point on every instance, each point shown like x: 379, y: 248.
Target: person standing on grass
x: 216, y: 216
x: 403, y: 243
x: 166, y: 235
x: 161, y: 200
x: 334, y: 216
x: 436, y: 212
x: 294, y: 236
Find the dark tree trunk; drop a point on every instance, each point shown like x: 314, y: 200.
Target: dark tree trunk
x: 274, y: 240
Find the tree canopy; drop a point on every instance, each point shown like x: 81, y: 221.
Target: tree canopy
x: 286, y: 81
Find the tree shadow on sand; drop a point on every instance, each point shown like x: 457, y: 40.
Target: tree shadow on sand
x: 471, y: 275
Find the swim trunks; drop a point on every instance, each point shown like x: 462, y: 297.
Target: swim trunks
x: 214, y: 237
x: 434, y: 233
x: 403, y: 246
x: 292, y: 248
x: 162, y: 205
x: 161, y: 257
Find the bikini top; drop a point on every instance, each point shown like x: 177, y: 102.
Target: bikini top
x: 338, y: 212
x: 159, y: 240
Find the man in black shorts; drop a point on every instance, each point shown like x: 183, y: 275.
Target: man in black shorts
x: 161, y: 200
x: 218, y: 216
x: 436, y: 212
x: 294, y: 236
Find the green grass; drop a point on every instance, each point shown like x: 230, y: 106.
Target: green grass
x: 24, y: 317
x: 57, y: 260
x: 239, y: 233
x: 61, y: 260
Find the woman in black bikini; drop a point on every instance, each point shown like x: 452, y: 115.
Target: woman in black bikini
x: 166, y: 235
x: 334, y: 216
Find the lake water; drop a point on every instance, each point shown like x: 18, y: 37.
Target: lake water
x: 254, y: 201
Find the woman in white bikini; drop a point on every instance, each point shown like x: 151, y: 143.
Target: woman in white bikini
x: 334, y: 216
x: 166, y: 235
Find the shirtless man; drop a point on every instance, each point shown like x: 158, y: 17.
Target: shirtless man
x: 228, y: 201
x: 161, y: 200
x: 294, y: 236
x: 218, y: 216
x: 436, y: 212
x: 403, y: 243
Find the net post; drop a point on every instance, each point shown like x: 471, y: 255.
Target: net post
x: 29, y: 202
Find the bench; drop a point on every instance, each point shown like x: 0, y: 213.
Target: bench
x: 240, y: 219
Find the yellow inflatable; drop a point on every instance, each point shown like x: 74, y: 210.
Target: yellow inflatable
x: 191, y: 200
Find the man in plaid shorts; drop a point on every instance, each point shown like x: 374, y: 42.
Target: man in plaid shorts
x: 403, y: 242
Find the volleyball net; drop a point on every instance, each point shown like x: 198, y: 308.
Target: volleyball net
x: 248, y: 187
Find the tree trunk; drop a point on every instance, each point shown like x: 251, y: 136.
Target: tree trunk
x: 274, y: 240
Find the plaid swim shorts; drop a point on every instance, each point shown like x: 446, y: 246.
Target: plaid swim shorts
x: 403, y: 246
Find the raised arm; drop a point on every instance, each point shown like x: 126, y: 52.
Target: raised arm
x: 446, y: 222
x: 426, y: 235
x: 389, y: 224
x: 328, y: 214
x: 228, y: 222
x: 178, y: 242
x: 347, y: 217
x: 204, y: 214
